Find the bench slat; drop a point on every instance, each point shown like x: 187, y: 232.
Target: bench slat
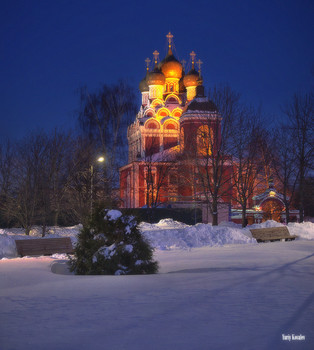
x: 44, y: 246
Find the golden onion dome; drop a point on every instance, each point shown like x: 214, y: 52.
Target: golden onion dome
x: 192, y: 78
x: 155, y: 77
x: 143, y: 86
x: 171, y: 67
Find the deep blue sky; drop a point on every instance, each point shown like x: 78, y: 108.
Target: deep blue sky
x: 263, y: 49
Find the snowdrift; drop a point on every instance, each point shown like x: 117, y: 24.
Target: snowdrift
x: 166, y: 235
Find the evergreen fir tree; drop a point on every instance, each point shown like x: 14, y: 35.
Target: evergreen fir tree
x: 111, y: 244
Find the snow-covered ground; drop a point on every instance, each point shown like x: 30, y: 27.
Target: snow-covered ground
x: 217, y: 289
x: 165, y: 235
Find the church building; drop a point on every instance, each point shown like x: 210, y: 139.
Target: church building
x: 175, y: 124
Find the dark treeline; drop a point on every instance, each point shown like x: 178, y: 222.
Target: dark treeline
x: 54, y: 179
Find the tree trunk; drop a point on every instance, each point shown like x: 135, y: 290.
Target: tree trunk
x: 215, y: 213
x: 244, y: 219
x: 301, y: 204
x: 43, y: 231
x: 287, y: 214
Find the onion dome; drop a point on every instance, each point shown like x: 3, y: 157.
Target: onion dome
x: 143, y: 86
x: 170, y: 66
x: 155, y: 77
x: 192, y: 78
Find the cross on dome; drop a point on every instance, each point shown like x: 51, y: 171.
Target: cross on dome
x: 169, y: 37
x: 199, y: 64
x: 147, y: 63
x: 193, y: 54
x: 156, y: 55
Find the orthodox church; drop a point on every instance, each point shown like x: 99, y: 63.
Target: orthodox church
x: 174, y: 124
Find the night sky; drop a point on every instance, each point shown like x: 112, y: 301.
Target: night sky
x: 49, y: 49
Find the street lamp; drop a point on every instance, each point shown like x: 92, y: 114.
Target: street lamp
x: 100, y: 159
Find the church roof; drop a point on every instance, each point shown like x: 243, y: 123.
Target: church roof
x: 202, y: 104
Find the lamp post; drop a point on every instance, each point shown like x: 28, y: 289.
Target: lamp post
x: 100, y: 159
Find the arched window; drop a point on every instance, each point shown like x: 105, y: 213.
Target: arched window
x: 171, y: 126
x: 163, y: 112
x: 152, y: 125
x: 172, y: 98
x: 204, y: 140
x: 177, y: 112
x: 149, y: 114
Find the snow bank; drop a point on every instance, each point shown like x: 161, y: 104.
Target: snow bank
x: 167, y: 234
x: 304, y: 230
x: 181, y: 236
x: 7, y: 246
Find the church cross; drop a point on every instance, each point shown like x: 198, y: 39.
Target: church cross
x: 193, y: 54
x: 169, y: 37
x: 147, y: 63
x: 199, y: 63
x: 156, y: 54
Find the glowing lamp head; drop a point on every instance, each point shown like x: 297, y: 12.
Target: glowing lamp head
x: 272, y: 193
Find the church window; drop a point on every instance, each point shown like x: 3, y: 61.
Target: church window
x: 204, y: 140
x: 152, y: 125
x: 171, y: 126
x: 172, y: 100
x: 152, y: 144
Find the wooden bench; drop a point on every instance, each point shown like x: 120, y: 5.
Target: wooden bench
x: 272, y: 234
x: 44, y: 246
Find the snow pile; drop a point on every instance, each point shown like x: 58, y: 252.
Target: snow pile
x: 181, y: 236
x: 304, y: 230
x: 266, y: 224
x: 113, y: 215
x: 7, y: 246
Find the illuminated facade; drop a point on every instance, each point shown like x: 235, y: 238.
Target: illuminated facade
x: 175, y: 121
x: 167, y: 127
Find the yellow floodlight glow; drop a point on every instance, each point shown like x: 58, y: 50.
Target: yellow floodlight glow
x: 272, y: 194
x: 100, y: 159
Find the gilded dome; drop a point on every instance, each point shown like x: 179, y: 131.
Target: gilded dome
x: 171, y: 67
x: 143, y: 86
x: 192, y: 78
x: 155, y: 77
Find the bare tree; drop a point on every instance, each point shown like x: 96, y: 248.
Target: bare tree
x: 25, y: 197
x: 213, y: 156
x: 245, y: 161
x: 285, y: 165
x: 104, y: 117
x: 6, y: 177
x: 301, y: 116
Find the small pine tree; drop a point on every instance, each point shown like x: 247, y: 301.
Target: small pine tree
x: 111, y: 244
